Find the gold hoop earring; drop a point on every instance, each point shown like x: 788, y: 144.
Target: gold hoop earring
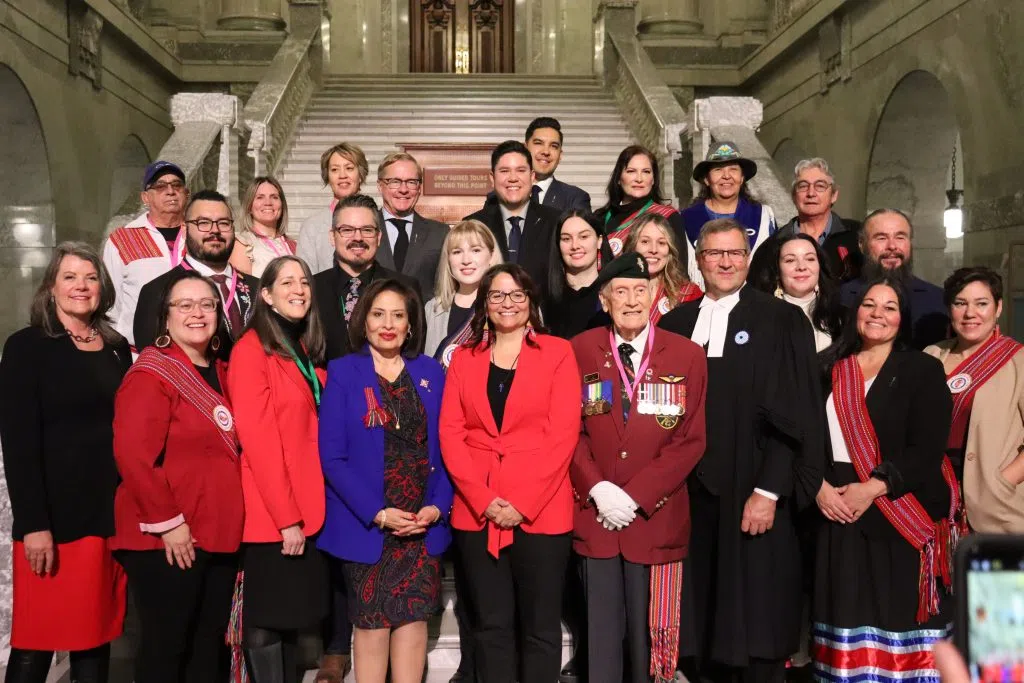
x: 163, y: 341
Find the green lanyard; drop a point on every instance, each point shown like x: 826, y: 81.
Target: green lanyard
x: 309, y: 372
x: 629, y: 220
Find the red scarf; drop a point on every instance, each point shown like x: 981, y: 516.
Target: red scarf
x: 905, y: 513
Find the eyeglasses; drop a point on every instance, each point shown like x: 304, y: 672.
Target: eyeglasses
x: 206, y: 225
x: 175, y: 185
x: 715, y: 255
x: 395, y: 183
x: 818, y: 185
x: 347, y: 231
x: 518, y: 296
x: 186, y: 306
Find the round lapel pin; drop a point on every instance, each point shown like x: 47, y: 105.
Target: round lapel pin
x: 741, y: 337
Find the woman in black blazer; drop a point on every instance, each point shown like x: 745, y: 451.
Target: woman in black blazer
x: 882, y: 558
x: 59, y: 376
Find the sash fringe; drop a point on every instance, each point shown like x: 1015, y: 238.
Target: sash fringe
x: 233, y: 636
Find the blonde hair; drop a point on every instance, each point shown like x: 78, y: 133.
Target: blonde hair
x: 395, y: 157
x: 474, y: 232
x: 346, y: 151
x: 250, y: 197
x: 673, y: 276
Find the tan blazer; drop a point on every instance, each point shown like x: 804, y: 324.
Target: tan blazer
x: 994, y: 435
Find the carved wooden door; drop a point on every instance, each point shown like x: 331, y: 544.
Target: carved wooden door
x: 462, y: 36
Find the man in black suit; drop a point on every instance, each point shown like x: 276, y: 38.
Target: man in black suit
x: 522, y: 227
x: 356, y: 231
x: 209, y: 239
x: 410, y: 243
x: 544, y: 140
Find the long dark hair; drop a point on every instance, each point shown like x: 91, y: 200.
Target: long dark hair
x: 43, y: 313
x: 413, y: 344
x: 180, y: 275
x: 481, y: 322
x: 828, y: 312
x: 557, y: 283
x: 849, y: 342
x: 615, y: 192
x: 268, y: 325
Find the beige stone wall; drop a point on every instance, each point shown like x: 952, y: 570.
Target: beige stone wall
x: 972, y: 49
x: 551, y: 36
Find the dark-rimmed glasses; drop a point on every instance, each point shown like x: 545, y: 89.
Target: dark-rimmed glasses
x: 518, y: 296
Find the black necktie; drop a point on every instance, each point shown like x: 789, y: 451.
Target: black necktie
x: 536, y: 193
x: 625, y: 353
x: 515, y: 235
x: 401, y: 242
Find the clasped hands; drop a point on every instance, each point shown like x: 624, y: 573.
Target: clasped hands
x: 402, y: 523
x: 503, y: 513
x: 846, y: 504
x: 615, y: 508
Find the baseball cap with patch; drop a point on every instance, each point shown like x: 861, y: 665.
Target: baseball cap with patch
x: 160, y: 168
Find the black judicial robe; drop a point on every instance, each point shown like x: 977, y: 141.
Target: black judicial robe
x: 765, y: 429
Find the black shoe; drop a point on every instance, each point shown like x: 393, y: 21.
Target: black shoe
x: 570, y: 672
x: 460, y: 677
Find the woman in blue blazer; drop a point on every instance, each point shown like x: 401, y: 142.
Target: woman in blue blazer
x: 388, y: 495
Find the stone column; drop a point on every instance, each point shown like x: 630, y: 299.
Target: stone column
x: 669, y: 17
x: 251, y: 15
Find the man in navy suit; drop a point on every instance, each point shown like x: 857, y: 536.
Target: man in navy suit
x: 544, y: 140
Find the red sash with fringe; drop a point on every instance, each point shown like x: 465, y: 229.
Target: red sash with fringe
x: 974, y: 371
x: 933, y: 540
x: 617, y: 238
x: 663, y: 619
x: 196, y: 392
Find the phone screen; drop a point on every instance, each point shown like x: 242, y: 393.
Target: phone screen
x: 995, y: 615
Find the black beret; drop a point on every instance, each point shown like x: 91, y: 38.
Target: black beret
x: 628, y: 264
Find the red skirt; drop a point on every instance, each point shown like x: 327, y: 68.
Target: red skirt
x: 79, y: 606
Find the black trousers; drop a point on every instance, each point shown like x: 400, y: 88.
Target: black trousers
x: 183, y: 615
x: 33, y: 666
x: 337, y: 627
x: 521, y: 587
x: 464, y: 618
x: 618, y: 598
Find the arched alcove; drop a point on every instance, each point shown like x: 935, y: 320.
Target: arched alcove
x: 27, y: 227
x: 786, y: 155
x: 129, y: 164
x: 911, y: 160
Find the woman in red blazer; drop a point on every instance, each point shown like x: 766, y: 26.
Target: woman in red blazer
x: 178, y: 510
x: 275, y: 386
x: 510, y: 419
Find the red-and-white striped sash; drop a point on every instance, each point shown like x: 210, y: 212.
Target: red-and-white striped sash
x: 974, y: 371
x: 905, y: 513
x: 663, y: 619
x: 619, y: 235
x: 134, y: 243
x: 196, y: 393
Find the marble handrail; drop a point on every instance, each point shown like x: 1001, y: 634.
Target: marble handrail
x: 277, y: 103
x: 654, y: 114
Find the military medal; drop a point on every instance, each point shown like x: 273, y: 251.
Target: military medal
x: 597, y: 398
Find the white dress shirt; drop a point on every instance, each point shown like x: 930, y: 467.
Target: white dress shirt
x: 544, y: 186
x: 713, y: 322
x: 392, y: 230
x: 506, y: 214
x: 840, y: 453
x: 639, y: 344
x: 207, y: 271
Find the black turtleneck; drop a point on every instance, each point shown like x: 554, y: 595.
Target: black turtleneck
x: 293, y: 332
x: 577, y: 311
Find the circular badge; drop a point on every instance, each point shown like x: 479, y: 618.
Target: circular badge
x: 663, y: 305
x: 616, y: 245
x: 959, y: 383
x: 741, y: 337
x: 446, y: 356
x: 223, y: 418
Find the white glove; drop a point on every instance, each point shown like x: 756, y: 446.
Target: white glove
x: 613, y: 504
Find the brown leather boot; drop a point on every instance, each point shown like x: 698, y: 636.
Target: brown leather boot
x: 333, y: 668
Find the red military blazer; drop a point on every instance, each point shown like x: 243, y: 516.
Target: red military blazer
x: 650, y: 462
x: 276, y: 419
x: 175, y: 464
x: 527, y: 464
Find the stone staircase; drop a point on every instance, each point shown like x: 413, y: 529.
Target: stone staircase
x: 380, y: 112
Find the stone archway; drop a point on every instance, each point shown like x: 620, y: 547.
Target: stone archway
x: 911, y: 160
x: 129, y: 165
x: 786, y: 155
x: 27, y: 223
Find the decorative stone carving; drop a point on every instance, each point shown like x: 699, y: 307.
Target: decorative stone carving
x: 85, y: 56
x: 834, y: 37
x: 439, y: 13
x: 747, y: 112
x: 386, y: 36
x: 190, y: 107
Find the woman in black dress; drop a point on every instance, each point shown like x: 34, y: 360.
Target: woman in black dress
x: 59, y: 376
x: 577, y: 252
x: 388, y: 495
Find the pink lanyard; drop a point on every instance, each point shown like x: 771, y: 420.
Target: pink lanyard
x: 643, y: 366
x: 179, y: 244
x: 231, y: 290
x: 272, y: 245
